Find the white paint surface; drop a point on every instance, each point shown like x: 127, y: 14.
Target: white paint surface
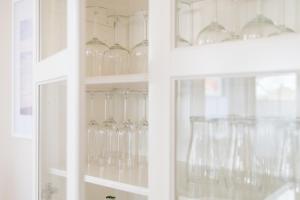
x: 15, y: 154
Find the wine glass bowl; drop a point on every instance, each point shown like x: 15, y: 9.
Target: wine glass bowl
x: 116, y: 58
x: 213, y: 33
x: 95, y: 48
x: 139, y: 53
x: 259, y: 27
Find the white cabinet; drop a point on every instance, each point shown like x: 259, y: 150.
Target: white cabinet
x: 127, y: 130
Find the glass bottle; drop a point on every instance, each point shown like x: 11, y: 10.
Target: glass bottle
x: 241, y: 175
x: 199, y: 158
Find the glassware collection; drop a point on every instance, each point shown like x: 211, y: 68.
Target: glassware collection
x: 116, y: 59
x: 242, y: 157
x: 117, y: 148
x: 189, y: 18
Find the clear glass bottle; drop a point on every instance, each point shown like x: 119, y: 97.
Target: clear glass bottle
x: 199, y: 161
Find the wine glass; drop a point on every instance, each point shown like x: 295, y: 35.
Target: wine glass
x: 260, y: 26
x: 106, y: 129
x: 93, y: 127
x: 139, y: 53
x: 116, y: 58
x: 129, y: 137
x: 180, y: 41
x: 110, y: 127
x: 95, y: 48
x: 282, y: 27
x: 143, y: 141
x: 214, y: 32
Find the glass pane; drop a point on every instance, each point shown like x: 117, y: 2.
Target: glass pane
x: 53, y: 27
x: 238, y: 138
x: 52, y: 141
x: 202, y: 22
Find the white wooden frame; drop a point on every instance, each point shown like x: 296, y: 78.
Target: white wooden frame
x: 65, y: 63
x: 27, y: 136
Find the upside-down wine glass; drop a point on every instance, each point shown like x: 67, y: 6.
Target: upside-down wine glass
x: 93, y: 127
x: 95, y: 48
x: 116, y: 58
x: 139, y: 53
x: 110, y: 127
x: 180, y: 41
x: 129, y: 138
x: 282, y: 26
x: 214, y: 32
x: 143, y: 142
x: 102, y: 137
x: 260, y: 26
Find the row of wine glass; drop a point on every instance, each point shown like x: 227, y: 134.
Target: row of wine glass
x: 102, y: 59
x: 259, y: 27
x: 118, y: 145
x: 243, y: 156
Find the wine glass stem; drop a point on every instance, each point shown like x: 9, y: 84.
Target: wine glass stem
x: 116, y: 20
x: 95, y: 24
x: 92, y: 106
x: 145, y: 107
x: 216, y: 10
x: 110, y: 107
x: 146, y: 26
x: 259, y: 7
x: 178, y: 23
x: 283, y: 13
x: 125, y: 106
x: 105, y: 106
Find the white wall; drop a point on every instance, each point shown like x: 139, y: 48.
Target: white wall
x: 15, y: 154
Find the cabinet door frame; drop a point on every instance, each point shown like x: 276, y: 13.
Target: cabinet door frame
x: 64, y: 65
x: 168, y: 64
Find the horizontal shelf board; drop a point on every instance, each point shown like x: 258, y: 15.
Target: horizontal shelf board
x: 128, y: 78
x: 58, y: 172
x: 284, y: 192
x: 278, y: 53
x: 116, y: 185
x: 188, y: 198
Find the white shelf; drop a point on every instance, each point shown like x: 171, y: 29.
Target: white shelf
x: 116, y: 185
x: 283, y: 193
x: 58, y: 172
x: 126, y: 78
x: 188, y: 198
x: 278, y: 53
x: 117, y: 81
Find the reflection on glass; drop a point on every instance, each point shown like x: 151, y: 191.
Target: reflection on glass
x: 228, y: 152
x: 53, y: 27
x: 52, y: 141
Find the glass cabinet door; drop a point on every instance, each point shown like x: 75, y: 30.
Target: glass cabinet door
x: 53, y: 27
x: 52, y: 141
x: 238, y: 138
x: 202, y: 22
